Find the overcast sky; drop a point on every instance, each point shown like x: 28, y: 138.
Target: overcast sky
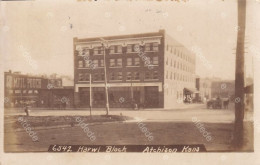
x: 43, y: 32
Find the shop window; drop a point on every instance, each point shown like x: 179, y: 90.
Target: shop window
x: 36, y: 91
x: 30, y: 91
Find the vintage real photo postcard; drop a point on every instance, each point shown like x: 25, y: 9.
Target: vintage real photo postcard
x: 142, y: 77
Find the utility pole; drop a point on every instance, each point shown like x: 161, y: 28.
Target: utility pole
x: 105, y: 70
x: 239, y: 79
x: 90, y: 95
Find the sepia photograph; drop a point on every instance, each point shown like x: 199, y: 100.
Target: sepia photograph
x: 129, y: 76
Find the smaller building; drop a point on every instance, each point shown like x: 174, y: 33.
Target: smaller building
x: 223, y: 89
x: 203, y: 86
x: 37, y: 91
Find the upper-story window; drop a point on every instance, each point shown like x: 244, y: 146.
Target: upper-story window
x: 81, y: 77
x: 112, y: 62
x: 115, y: 62
x: 133, y: 48
x: 116, y: 76
x: 151, y: 46
x: 98, y: 77
x: 101, y: 62
x: 95, y: 63
x: 155, y: 60
x: 80, y: 64
x: 98, y: 50
x: 115, y: 49
x: 136, y: 76
x: 137, y: 61
x: 151, y: 75
x: 83, y: 52
x: 128, y: 75
x: 129, y: 62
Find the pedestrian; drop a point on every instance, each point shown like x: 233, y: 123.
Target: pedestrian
x: 26, y: 110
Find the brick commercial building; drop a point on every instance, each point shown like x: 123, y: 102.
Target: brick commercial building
x: 151, y: 69
x: 38, y: 91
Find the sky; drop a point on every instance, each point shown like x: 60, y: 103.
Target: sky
x: 37, y: 36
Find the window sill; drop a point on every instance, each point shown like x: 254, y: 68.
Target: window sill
x: 83, y: 81
x: 151, y: 79
x: 133, y: 80
x: 115, y: 80
x: 115, y: 67
x: 151, y: 51
x: 115, y: 53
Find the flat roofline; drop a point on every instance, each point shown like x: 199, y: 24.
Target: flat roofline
x: 115, y: 37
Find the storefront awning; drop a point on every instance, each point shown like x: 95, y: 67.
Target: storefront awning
x: 189, y: 91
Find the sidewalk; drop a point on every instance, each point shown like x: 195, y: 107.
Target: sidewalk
x: 177, y: 107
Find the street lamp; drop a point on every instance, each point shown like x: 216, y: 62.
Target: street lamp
x: 105, y: 71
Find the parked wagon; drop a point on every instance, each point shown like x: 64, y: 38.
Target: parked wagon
x: 215, y: 103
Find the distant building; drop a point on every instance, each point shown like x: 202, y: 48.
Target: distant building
x: 38, y: 91
x: 223, y: 88
x: 151, y: 69
x: 203, y: 85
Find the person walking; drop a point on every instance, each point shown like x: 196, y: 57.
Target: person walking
x: 26, y: 110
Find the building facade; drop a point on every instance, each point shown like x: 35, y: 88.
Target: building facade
x: 223, y: 89
x: 38, y: 91
x: 203, y: 85
x: 150, y: 69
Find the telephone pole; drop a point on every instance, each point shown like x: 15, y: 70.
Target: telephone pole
x: 239, y: 79
x: 105, y: 74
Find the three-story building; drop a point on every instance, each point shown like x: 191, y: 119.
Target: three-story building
x: 151, y: 69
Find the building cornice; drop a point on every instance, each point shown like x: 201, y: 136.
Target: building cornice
x: 123, y: 42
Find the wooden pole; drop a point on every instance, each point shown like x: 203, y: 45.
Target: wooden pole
x: 90, y: 95
x: 239, y: 79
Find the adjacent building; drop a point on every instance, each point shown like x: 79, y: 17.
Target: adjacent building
x: 38, y: 91
x: 150, y: 69
x: 223, y: 88
x: 203, y: 86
